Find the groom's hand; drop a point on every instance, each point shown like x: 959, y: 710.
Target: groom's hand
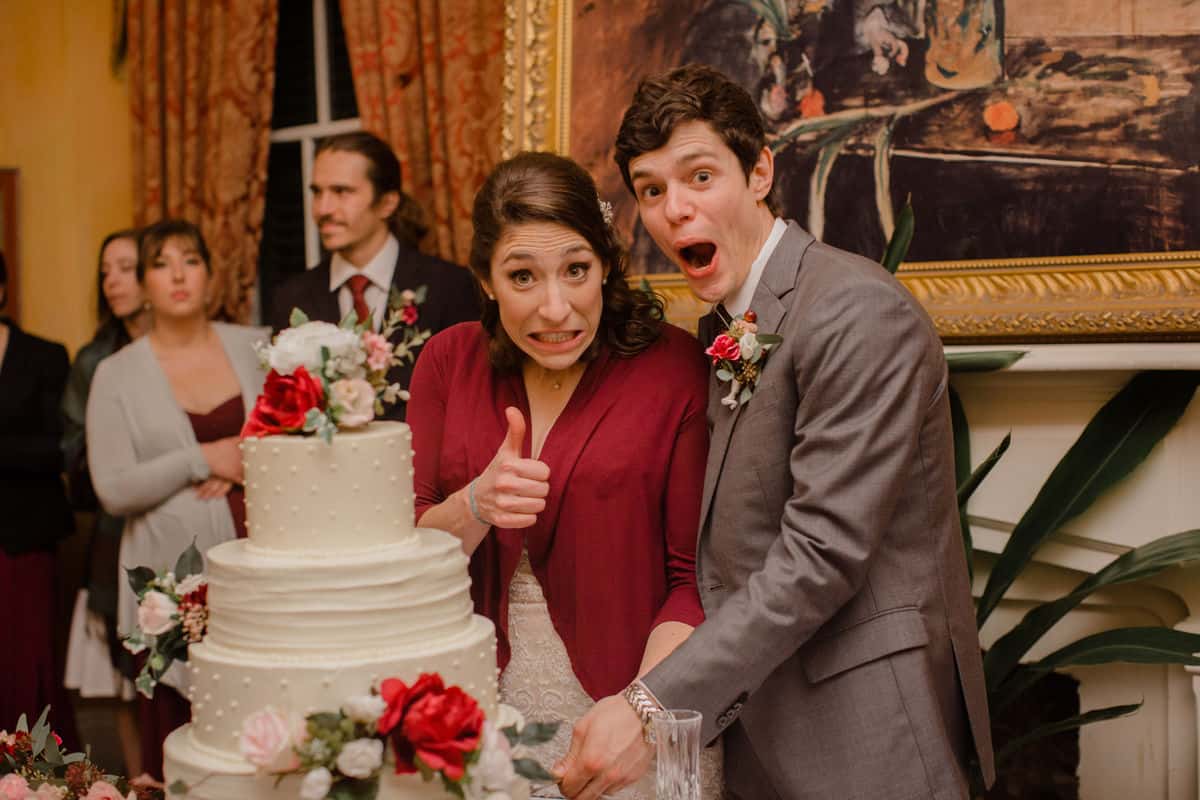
x: 512, y: 491
x: 608, y: 751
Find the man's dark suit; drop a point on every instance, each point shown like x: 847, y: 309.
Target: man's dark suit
x: 451, y: 298
x: 32, y: 378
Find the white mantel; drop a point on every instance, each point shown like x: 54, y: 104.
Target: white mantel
x: 1045, y: 399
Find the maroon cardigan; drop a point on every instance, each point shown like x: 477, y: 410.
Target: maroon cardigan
x: 614, y: 550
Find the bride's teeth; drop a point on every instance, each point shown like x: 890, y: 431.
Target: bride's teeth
x: 554, y: 338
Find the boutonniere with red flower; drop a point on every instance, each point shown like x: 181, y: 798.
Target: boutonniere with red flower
x: 738, y: 354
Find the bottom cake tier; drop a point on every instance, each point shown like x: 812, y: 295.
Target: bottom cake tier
x: 219, y: 776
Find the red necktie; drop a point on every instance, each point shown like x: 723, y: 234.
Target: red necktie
x: 358, y: 289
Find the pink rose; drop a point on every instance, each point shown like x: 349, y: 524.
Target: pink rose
x: 356, y: 398
x: 379, y: 352
x: 724, y: 347
x: 13, y: 787
x: 269, y: 740
x: 102, y: 790
x: 155, y: 612
x: 48, y: 792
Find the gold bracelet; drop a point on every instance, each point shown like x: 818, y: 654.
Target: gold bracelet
x: 644, y: 705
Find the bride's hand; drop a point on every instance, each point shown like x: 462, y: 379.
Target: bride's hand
x: 512, y: 491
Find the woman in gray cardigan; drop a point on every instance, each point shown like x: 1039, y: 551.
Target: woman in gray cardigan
x: 162, y: 435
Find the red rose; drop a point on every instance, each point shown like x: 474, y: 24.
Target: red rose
x: 285, y: 401
x: 724, y: 347
x: 399, y: 697
x: 408, y: 315
x: 443, y: 729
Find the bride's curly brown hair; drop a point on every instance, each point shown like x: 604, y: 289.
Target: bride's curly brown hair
x: 543, y: 187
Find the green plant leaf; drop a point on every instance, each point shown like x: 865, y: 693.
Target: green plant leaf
x: 535, y: 733
x: 139, y: 578
x: 352, y: 789
x: 531, y: 770
x: 1138, y: 564
x: 1137, y: 645
x: 1112, y: 445
x: 769, y: 338
x: 297, y: 317
x: 1063, y: 725
x: 898, y: 244
x: 177, y: 786
x: 190, y: 562
x: 983, y: 361
x: 968, y: 487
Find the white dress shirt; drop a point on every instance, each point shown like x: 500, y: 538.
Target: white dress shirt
x: 379, y: 270
x: 739, y: 303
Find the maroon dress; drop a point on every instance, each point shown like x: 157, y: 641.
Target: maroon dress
x: 168, y: 709
x: 614, y: 549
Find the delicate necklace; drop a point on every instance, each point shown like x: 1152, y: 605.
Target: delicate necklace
x: 556, y: 384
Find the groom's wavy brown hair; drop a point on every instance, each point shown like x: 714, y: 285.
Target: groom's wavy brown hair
x: 543, y: 187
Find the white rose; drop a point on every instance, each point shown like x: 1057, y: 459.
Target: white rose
x: 494, y: 770
x: 748, y: 343
x: 360, y: 758
x: 190, y: 584
x: 364, y: 707
x: 269, y: 739
x: 301, y: 347
x: 316, y: 784
x: 357, y: 401
x: 155, y: 612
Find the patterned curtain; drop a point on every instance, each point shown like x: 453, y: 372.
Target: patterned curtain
x: 428, y: 76
x: 201, y: 77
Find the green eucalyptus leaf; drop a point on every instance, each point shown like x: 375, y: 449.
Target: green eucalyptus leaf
x: 724, y: 374
x: 983, y: 361
x: 769, y: 338
x: 1061, y: 726
x: 139, y: 579
x: 190, y: 562
x: 531, y: 770
x: 52, y: 753
x: 535, y: 733
x: 348, y: 323
x: 71, y: 758
x: 177, y: 786
x: 352, y: 789
x: 1112, y: 445
x: 419, y: 294
x: 297, y: 318
x: 22, y: 724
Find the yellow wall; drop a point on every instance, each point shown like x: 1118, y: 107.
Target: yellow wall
x: 65, y: 124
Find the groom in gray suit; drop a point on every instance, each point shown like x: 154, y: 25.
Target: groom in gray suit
x: 839, y: 657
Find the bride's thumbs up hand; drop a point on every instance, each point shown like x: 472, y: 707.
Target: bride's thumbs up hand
x: 512, y: 491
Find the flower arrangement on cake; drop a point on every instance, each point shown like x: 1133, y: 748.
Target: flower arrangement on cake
x: 325, y: 377
x: 438, y: 731
x: 172, y: 614
x: 33, y: 766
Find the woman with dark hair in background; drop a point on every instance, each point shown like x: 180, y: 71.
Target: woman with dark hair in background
x: 33, y: 372
x: 97, y: 665
x: 563, y: 439
x: 162, y: 423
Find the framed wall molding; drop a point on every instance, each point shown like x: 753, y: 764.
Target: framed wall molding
x: 1148, y: 296
x: 9, y: 240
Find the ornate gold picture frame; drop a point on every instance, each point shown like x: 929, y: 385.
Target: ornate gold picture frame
x: 1102, y: 297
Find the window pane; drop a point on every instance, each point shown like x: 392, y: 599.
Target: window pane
x: 342, y: 104
x: 282, y: 251
x: 295, y: 65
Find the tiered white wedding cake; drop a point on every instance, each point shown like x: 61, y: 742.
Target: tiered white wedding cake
x: 333, y: 591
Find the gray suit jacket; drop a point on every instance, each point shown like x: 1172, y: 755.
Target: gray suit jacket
x: 840, y: 639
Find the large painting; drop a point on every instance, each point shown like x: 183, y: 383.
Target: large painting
x: 1046, y: 149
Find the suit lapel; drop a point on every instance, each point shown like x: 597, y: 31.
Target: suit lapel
x: 777, y: 281
x: 325, y: 302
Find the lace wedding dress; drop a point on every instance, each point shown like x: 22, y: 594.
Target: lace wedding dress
x: 539, y: 683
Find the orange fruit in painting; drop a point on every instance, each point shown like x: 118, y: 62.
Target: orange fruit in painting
x: 812, y: 104
x: 1000, y: 116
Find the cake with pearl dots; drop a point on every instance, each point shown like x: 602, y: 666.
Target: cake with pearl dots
x: 334, y: 590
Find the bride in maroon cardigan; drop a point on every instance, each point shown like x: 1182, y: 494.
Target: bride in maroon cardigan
x: 563, y: 438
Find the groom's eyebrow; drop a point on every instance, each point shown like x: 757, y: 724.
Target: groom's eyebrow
x: 684, y: 160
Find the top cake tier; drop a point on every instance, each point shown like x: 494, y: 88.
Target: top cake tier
x: 303, y: 494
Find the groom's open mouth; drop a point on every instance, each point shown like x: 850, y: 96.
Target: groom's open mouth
x: 697, y: 258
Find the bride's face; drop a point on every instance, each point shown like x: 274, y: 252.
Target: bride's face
x: 547, y: 279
